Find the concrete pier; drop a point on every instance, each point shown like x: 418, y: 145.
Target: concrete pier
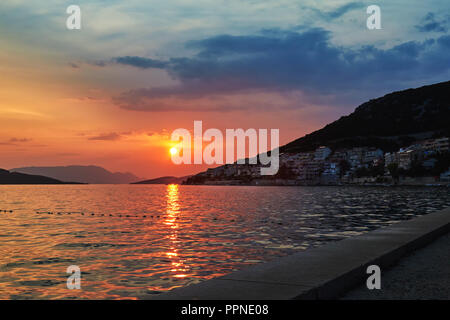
x: 325, y: 272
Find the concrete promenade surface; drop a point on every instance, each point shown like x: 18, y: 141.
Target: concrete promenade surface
x: 425, y: 274
x: 330, y: 271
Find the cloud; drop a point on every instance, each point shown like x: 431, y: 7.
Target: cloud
x: 86, y: 99
x: 129, y: 136
x: 285, y: 61
x: 92, y: 63
x: 139, y: 62
x: 133, y: 61
x: 22, y: 113
x: 430, y: 24
x: 183, y: 99
x: 67, y: 154
x: 338, y: 12
x: 113, y: 136
x: 13, y: 140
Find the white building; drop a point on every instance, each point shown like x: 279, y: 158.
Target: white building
x: 355, y: 157
x: 405, y: 158
x: 322, y: 153
x: 371, y: 155
x: 438, y: 145
x: 330, y: 174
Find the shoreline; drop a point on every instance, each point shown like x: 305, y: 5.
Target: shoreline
x: 363, y: 181
x: 445, y: 185
x: 325, y: 272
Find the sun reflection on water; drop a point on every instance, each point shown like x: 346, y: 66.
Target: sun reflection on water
x: 173, y: 210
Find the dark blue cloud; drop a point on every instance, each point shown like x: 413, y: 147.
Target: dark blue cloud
x: 444, y: 41
x: 140, y: 62
x: 430, y: 24
x: 281, y: 61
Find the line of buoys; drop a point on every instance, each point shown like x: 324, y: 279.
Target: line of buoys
x: 135, y: 216
x: 7, y: 211
x: 100, y: 214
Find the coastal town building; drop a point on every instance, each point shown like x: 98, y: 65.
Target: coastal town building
x: 327, y: 166
x: 330, y: 174
x: 390, y: 157
x: 310, y: 171
x: 338, y: 156
x: 322, y: 153
x: 355, y: 157
x: 445, y: 176
x: 405, y: 158
x: 371, y: 155
x: 437, y: 145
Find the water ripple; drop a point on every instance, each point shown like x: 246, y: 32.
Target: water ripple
x: 133, y: 240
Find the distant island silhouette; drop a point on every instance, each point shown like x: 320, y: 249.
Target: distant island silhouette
x: 7, y: 177
x: 164, y: 180
x: 82, y: 174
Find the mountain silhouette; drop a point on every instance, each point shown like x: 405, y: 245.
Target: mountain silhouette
x: 389, y: 122
x: 82, y: 174
x: 7, y: 177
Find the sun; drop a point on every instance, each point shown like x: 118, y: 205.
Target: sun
x: 173, y: 151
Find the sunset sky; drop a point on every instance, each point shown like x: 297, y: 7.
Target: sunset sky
x: 111, y: 93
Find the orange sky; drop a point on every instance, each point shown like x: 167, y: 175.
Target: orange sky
x: 54, y: 114
x: 51, y: 122
x: 69, y: 97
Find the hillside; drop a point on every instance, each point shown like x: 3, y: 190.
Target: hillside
x: 388, y: 122
x: 164, y: 180
x: 82, y: 174
x: 7, y: 177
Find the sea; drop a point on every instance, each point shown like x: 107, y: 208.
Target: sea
x: 135, y: 241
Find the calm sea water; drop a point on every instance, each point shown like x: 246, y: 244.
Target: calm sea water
x: 136, y: 240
